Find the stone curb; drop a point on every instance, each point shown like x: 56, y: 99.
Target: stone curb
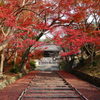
x: 10, y: 81
x: 91, y: 79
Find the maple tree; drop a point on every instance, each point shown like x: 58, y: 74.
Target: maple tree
x: 14, y: 24
x: 83, y: 32
x: 24, y: 22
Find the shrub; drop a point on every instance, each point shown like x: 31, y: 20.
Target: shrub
x: 64, y: 66
x: 33, y: 65
x: 15, y: 69
x: 81, y: 62
x: 94, y: 63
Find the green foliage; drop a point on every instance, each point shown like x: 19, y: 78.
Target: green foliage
x: 15, y: 69
x: 62, y: 65
x: 94, y: 63
x: 65, y: 66
x: 93, y: 70
x: 12, y: 62
x: 81, y: 62
x: 33, y: 65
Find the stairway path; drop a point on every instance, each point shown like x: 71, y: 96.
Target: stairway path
x: 42, y: 85
x: 49, y: 86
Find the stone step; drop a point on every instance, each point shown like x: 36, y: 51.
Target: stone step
x: 51, y: 81
x: 49, y: 86
x: 46, y: 90
x: 51, y: 99
x: 68, y: 92
x: 47, y: 77
x: 43, y: 81
x: 54, y: 88
x: 51, y: 94
x: 55, y: 96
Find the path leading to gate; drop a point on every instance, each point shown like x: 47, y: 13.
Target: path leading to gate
x: 46, y: 85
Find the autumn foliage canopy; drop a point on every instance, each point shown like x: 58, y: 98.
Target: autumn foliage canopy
x: 73, y: 24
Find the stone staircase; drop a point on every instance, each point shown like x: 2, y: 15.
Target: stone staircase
x: 49, y: 86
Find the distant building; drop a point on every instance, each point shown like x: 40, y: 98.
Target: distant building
x: 50, y: 58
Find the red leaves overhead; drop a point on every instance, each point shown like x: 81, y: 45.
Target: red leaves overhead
x: 69, y: 53
x: 79, y: 16
x: 42, y: 16
x: 73, y: 40
x: 10, y: 21
x: 41, y: 26
x: 27, y: 22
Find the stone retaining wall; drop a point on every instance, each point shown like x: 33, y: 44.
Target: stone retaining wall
x: 91, y: 79
x: 6, y: 82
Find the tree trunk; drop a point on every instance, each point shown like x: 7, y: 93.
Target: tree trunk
x: 66, y: 59
x: 2, y: 63
x: 15, y: 59
x: 92, y: 60
x: 24, y: 59
x: 26, y: 53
